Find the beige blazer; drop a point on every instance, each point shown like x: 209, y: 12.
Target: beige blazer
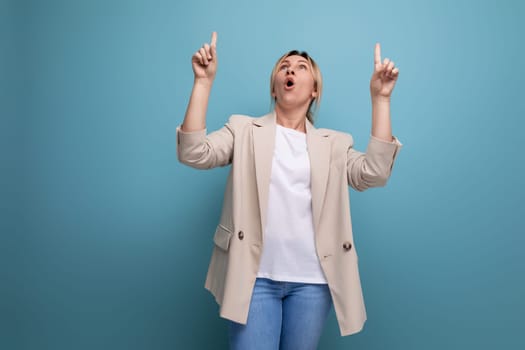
x: 247, y: 144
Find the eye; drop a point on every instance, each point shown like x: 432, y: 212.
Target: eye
x: 303, y: 66
x: 283, y: 67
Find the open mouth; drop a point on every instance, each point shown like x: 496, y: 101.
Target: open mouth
x: 289, y: 83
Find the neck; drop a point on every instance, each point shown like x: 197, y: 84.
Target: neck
x: 293, y: 119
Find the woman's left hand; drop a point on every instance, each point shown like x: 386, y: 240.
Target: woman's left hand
x: 384, y: 77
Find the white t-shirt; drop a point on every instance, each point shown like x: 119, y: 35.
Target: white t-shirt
x: 289, y: 245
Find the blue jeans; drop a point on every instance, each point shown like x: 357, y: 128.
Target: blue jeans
x: 282, y: 316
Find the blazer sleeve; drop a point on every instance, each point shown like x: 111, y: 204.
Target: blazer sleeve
x: 373, y: 168
x: 200, y: 150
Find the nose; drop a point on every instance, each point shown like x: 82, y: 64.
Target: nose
x: 290, y: 71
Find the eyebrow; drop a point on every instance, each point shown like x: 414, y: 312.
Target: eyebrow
x: 300, y: 61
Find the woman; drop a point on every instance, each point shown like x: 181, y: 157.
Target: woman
x: 284, y: 250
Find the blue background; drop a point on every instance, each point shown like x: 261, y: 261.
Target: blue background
x: 106, y: 238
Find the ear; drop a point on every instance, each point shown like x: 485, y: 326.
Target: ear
x: 314, y: 94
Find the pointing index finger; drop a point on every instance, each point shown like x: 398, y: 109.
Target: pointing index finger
x: 214, y: 39
x: 377, y: 54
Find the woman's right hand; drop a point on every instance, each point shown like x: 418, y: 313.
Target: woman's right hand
x: 204, y: 61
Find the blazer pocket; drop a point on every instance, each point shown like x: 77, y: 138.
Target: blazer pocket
x: 222, y: 237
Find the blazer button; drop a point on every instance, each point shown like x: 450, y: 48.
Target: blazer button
x: 241, y: 235
x: 347, y: 246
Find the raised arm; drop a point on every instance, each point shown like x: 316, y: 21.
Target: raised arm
x: 382, y: 84
x: 204, y: 64
x: 373, y: 168
x: 194, y: 147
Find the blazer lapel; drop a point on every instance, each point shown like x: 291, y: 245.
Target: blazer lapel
x: 263, y: 148
x: 319, y: 150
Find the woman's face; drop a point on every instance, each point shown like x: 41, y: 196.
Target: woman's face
x: 294, y: 84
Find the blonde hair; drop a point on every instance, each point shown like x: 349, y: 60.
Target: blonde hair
x: 318, y: 81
